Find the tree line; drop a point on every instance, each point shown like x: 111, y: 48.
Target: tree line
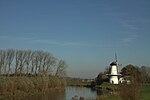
x: 141, y: 74
x: 29, y: 62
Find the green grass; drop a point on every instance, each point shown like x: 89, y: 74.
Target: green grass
x: 145, y: 92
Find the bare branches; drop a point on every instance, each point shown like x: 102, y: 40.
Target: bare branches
x: 10, y: 57
x: 61, y: 69
x: 25, y: 62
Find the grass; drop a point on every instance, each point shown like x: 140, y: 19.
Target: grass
x: 21, y: 86
x: 145, y: 92
x: 77, y: 82
x: 109, y: 97
x: 109, y: 92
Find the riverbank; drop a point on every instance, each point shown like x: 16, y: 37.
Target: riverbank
x: 78, y: 82
x: 21, y: 86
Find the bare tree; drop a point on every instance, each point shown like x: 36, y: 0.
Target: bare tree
x: 10, y: 55
x: 16, y: 61
x: 6, y: 58
x: 20, y: 61
x: 45, y: 58
x: 2, y: 57
x: 28, y: 60
x: 51, y: 62
x: 4, y: 61
x: 41, y: 57
x: 36, y: 62
x: 61, y: 69
x: 33, y: 62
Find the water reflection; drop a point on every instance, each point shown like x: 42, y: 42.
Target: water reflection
x: 80, y: 92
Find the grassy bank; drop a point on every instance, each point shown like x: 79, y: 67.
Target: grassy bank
x: 16, y: 86
x: 145, y: 92
x: 78, y: 82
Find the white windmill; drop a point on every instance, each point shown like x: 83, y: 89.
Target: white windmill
x: 113, y: 76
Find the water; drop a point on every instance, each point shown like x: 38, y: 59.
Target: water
x: 80, y: 92
x: 70, y: 92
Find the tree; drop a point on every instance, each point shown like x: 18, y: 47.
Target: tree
x: 2, y: 60
x: 102, y: 77
x: 131, y: 91
x: 145, y: 71
x: 129, y: 70
x: 28, y: 60
x: 50, y: 63
x: 61, y: 69
x: 10, y: 55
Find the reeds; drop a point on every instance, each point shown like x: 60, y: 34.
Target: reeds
x: 24, y: 85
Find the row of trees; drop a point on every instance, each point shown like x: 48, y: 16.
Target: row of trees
x: 140, y: 73
x: 20, y: 62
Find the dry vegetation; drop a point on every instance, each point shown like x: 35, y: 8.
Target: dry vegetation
x: 22, y: 86
x: 24, y: 72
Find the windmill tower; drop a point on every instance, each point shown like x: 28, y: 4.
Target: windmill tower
x: 114, y: 72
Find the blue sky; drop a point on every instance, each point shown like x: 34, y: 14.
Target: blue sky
x: 85, y: 33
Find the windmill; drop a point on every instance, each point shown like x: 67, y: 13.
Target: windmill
x: 114, y: 72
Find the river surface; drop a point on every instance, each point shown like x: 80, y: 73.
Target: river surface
x: 70, y: 92
x: 80, y: 92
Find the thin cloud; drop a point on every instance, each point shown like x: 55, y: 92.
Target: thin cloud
x: 14, y: 37
x: 133, y: 25
x: 129, y: 26
x: 141, y: 20
x: 46, y: 41
x: 129, y: 38
x: 131, y: 33
x: 59, y: 43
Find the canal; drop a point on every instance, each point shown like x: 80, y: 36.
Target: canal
x: 70, y: 92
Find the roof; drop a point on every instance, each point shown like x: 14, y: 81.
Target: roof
x: 113, y: 63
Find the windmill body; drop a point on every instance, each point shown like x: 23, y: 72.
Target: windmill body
x: 113, y: 76
x: 114, y: 73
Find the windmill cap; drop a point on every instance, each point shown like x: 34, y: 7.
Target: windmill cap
x: 113, y: 63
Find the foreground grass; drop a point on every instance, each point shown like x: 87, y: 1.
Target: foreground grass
x: 145, y: 93
x: 21, y: 86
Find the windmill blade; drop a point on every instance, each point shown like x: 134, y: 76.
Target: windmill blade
x: 117, y: 62
x: 116, y: 57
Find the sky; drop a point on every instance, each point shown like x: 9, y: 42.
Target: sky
x: 85, y: 33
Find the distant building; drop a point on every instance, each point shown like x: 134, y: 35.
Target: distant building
x: 125, y: 79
